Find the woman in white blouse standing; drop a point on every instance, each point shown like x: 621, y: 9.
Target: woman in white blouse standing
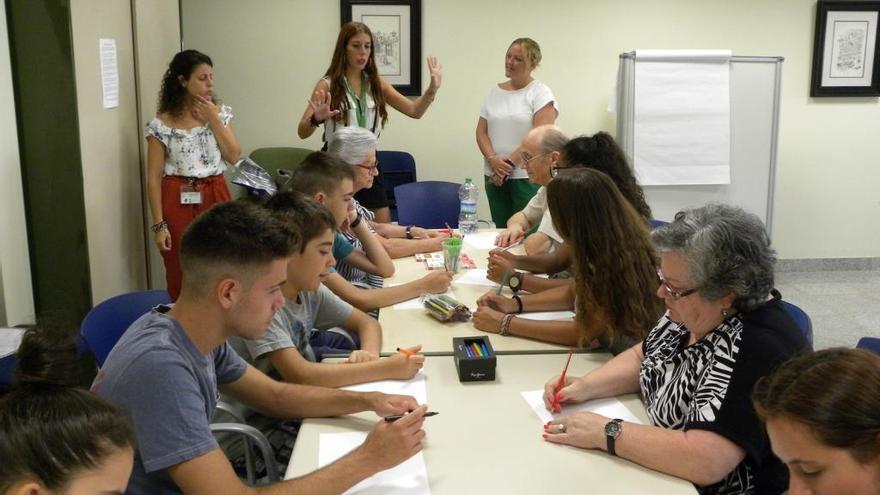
x: 187, y: 145
x: 509, y: 112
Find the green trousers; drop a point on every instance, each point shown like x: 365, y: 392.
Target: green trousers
x: 508, y: 198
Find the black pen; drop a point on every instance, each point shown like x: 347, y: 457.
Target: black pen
x: 394, y: 418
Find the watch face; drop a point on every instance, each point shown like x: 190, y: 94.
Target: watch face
x: 514, y: 281
x: 612, y: 429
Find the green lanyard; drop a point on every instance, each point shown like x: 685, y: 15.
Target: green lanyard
x: 360, y: 103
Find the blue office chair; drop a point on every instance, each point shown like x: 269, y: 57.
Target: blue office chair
x: 430, y: 204
x: 801, y: 318
x: 397, y: 168
x: 869, y: 343
x: 106, y: 322
x: 658, y: 223
x: 7, y: 371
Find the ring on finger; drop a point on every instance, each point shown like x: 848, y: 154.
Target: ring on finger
x: 561, y: 428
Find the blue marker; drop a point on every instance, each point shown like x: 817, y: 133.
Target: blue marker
x: 485, y: 350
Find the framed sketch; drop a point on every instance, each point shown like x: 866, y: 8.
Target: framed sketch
x: 846, y: 50
x: 397, y: 38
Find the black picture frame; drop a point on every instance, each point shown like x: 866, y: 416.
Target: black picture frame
x: 846, y: 31
x: 408, y: 85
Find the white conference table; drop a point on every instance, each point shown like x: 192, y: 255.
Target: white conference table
x: 487, y: 439
x: 406, y: 327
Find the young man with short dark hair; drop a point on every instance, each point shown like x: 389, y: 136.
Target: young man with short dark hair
x: 167, y: 370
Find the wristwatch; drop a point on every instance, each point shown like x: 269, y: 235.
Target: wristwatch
x: 612, y: 430
x: 409, y: 232
x: 515, y: 281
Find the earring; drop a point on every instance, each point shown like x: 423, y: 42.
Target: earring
x: 725, y: 313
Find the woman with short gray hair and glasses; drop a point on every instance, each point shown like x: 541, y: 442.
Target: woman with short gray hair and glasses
x: 725, y: 327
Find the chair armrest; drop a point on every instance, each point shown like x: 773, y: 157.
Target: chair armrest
x: 259, y: 439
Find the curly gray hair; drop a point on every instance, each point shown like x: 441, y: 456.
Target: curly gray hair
x: 727, y: 250
x: 352, y: 144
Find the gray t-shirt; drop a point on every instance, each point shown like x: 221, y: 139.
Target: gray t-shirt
x: 157, y: 375
x: 294, y: 323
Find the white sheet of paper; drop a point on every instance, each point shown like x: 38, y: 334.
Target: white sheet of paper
x: 415, y: 386
x: 609, y: 407
x: 474, y: 277
x: 109, y: 72
x: 548, y: 315
x: 482, y: 240
x: 416, y: 303
x: 410, y: 477
x: 681, y: 117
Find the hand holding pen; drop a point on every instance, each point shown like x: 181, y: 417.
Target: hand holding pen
x: 392, y: 442
x: 555, y: 399
x: 406, y: 363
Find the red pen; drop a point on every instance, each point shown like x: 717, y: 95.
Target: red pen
x: 560, y: 382
x: 448, y: 229
x: 405, y: 352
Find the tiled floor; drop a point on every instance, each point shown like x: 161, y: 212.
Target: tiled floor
x: 843, y: 305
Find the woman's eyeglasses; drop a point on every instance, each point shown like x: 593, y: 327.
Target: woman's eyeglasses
x: 672, y: 291
x: 374, y: 168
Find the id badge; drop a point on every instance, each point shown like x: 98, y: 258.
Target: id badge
x: 189, y: 195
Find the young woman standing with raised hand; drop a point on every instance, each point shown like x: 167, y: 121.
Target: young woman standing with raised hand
x: 352, y: 93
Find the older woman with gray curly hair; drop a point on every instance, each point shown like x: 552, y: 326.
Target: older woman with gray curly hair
x: 725, y: 328
x: 357, y: 147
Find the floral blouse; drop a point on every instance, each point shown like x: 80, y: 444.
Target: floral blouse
x: 193, y: 152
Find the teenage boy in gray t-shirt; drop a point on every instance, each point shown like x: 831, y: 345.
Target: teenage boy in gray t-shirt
x: 167, y: 369
x: 310, y: 309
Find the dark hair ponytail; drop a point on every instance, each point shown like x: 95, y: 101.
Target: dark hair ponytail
x: 50, y: 429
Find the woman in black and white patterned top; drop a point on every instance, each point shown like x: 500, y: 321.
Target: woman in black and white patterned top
x: 725, y: 328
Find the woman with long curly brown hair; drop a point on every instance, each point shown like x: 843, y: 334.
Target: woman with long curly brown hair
x: 615, y: 271
x: 352, y: 93
x: 189, y: 144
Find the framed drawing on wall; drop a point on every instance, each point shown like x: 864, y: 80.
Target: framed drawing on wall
x: 846, y: 53
x: 397, y: 38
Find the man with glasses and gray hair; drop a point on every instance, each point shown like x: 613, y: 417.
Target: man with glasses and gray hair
x: 538, y: 154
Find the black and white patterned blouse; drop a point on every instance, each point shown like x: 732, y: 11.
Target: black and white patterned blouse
x: 707, y: 386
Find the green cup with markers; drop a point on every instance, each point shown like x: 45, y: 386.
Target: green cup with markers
x: 452, y: 253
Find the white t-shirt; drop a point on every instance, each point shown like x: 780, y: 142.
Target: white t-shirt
x: 537, y: 211
x: 510, y: 116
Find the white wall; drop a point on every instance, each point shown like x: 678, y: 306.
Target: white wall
x: 16, y: 290
x: 110, y: 154
x: 157, y: 39
x: 269, y: 53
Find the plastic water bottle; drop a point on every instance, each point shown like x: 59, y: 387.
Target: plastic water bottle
x: 467, y: 216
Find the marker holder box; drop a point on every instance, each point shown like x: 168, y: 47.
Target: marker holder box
x: 474, y: 366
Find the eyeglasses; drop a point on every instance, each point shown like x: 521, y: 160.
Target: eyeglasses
x: 672, y: 291
x: 372, y: 168
x: 526, y: 158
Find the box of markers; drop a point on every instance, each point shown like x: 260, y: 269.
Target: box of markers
x: 474, y: 358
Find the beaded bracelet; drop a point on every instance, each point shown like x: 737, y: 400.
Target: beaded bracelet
x: 160, y: 226
x: 505, y: 325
